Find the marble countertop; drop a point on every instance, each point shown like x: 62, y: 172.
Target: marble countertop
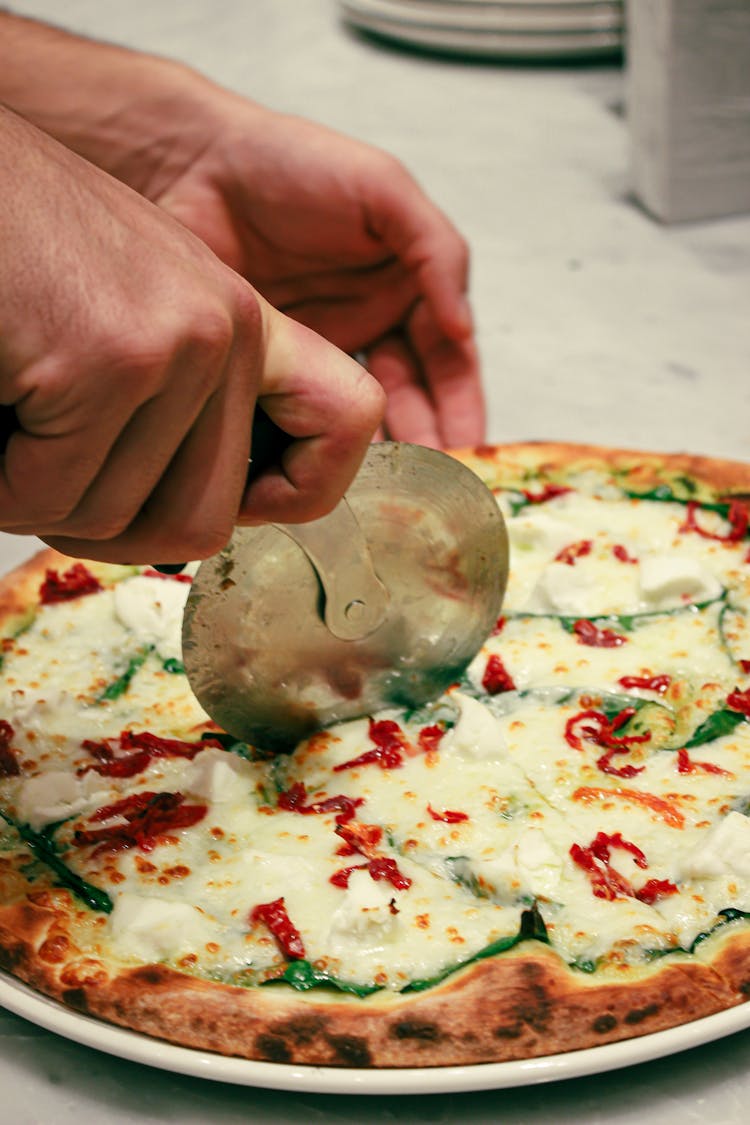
x: 595, y: 324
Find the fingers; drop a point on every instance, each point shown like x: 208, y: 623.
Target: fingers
x: 329, y: 405
x: 410, y: 412
x: 350, y: 307
x: 428, y: 244
x: 192, y: 507
x: 432, y: 384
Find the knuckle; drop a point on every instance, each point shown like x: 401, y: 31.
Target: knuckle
x: 205, y: 540
x: 368, y: 404
x: 211, y: 330
x: 247, y: 308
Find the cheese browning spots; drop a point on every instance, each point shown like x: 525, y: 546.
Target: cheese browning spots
x: 586, y: 785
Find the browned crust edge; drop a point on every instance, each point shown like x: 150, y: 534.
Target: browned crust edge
x: 524, y: 1004
x: 725, y: 476
x: 19, y: 589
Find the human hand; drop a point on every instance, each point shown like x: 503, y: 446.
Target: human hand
x: 133, y: 359
x: 338, y: 235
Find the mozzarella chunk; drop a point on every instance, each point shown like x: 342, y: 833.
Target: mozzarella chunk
x: 220, y: 777
x: 535, y: 529
x: 477, y: 734
x: 564, y: 589
x: 151, y: 929
x: 365, y: 915
x: 56, y: 795
x: 667, y: 580
x: 152, y: 609
x: 726, y: 851
x: 529, y: 867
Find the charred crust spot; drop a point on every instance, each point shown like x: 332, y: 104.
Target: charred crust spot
x: 76, y: 998
x: 536, y: 1012
x: 744, y: 987
x: 10, y: 958
x: 508, y: 1031
x: 351, y: 1050
x: 302, y: 1031
x: 605, y: 1023
x: 417, y: 1029
x: 637, y: 1015
x: 151, y: 975
x: 273, y: 1048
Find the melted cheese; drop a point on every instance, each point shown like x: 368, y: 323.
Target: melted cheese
x: 477, y: 830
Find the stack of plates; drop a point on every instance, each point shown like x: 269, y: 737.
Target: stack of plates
x: 516, y: 29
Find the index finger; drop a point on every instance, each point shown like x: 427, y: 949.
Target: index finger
x: 428, y: 244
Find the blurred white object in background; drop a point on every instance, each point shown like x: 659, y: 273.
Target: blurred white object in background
x: 517, y: 29
x: 688, y: 106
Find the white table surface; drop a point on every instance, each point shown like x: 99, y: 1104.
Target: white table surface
x: 595, y: 324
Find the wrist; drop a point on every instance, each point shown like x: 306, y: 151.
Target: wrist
x: 137, y: 116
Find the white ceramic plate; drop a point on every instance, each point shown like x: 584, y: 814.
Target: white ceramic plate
x: 16, y: 997
x: 512, y: 18
x: 481, y: 39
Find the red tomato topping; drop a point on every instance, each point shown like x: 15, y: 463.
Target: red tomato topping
x: 273, y: 915
x: 574, y: 551
x: 149, y: 572
x: 595, y: 727
x: 621, y: 553
x: 8, y: 764
x: 608, y: 883
x: 739, y: 701
x: 429, y: 737
x: 605, y: 881
x: 648, y: 683
x: 144, y: 747
x: 390, y: 746
x: 653, y: 889
x: 340, y: 878
x: 149, y: 818
x: 499, y: 626
x: 738, y: 517
x: 547, y: 492
x: 74, y: 583
x: 294, y: 800
x: 590, y: 634
x: 362, y: 838
x: 386, y: 868
x: 449, y: 816
x: 381, y: 867
x: 745, y: 666
x: 496, y: 677
x: 685, y: 764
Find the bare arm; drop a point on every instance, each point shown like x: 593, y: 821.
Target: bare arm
x: 333, y: 232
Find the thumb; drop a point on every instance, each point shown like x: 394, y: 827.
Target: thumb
x: 327, y: 405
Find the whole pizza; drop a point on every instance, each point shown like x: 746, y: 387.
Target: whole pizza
x: 553, y: 855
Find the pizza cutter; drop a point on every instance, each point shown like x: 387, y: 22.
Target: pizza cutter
x: 382, y: 603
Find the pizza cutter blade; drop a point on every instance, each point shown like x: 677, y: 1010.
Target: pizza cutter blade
x: 382, y: 603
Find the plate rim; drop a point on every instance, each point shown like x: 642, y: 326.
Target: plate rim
x: 134, y: 1046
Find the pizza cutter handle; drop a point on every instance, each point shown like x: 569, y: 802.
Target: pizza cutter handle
x: 356, y: 601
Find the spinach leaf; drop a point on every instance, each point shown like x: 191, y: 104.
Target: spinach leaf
x: 42, y: 846
x: 719, y: 723
x: 119, y: 686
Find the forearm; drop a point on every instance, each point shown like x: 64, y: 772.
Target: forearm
x: 119, y: 109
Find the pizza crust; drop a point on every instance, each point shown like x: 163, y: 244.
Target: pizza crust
x: 729, y: 478
x: 525, y: 1003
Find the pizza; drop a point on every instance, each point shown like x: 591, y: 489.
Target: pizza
x: 553, y: 855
